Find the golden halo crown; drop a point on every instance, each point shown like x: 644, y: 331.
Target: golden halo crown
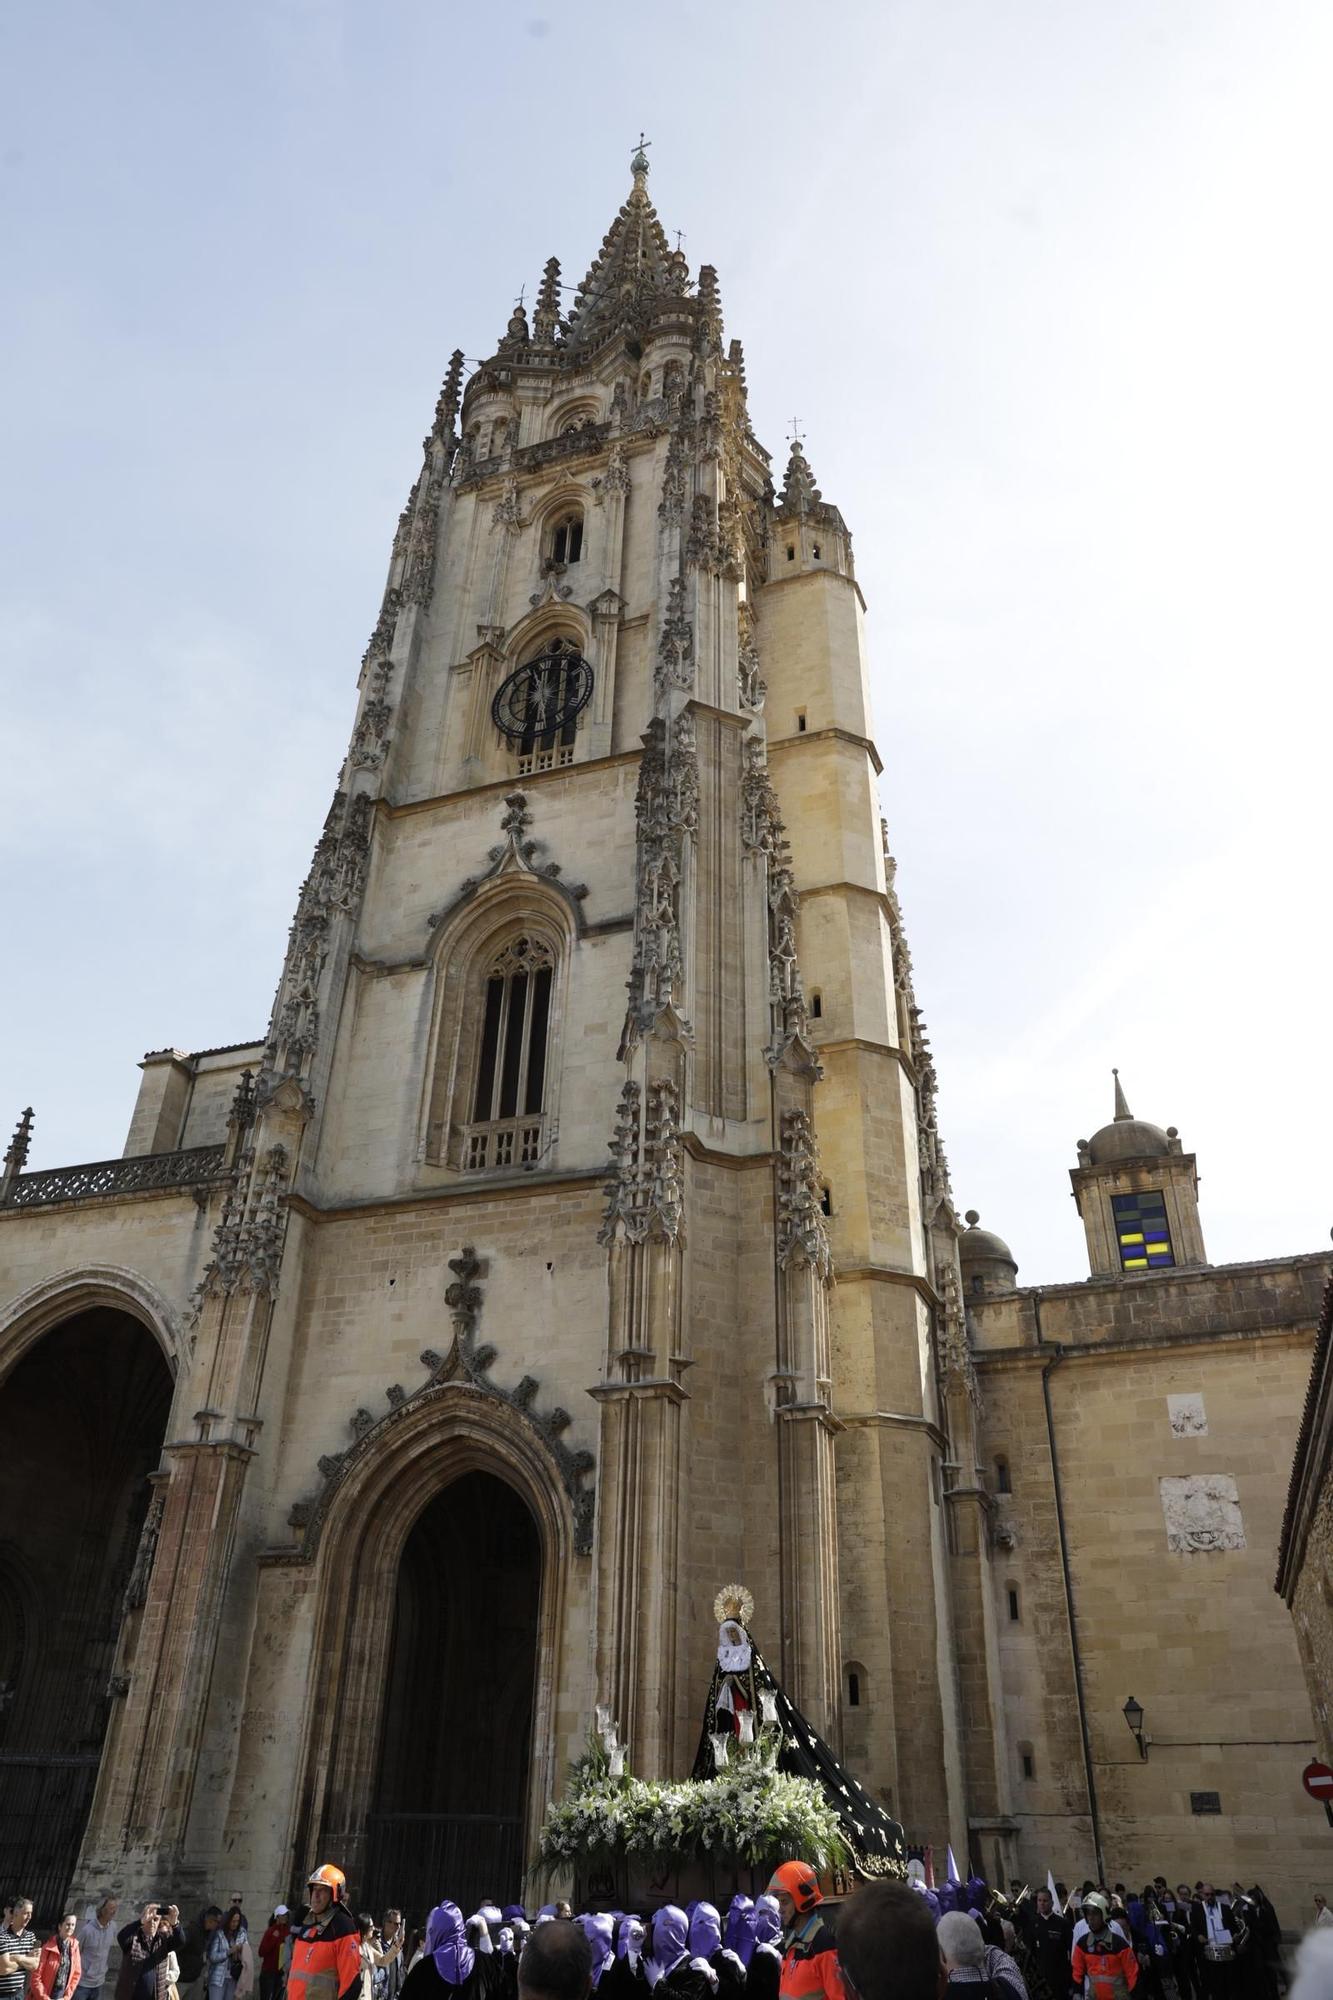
x: 733, y: 1601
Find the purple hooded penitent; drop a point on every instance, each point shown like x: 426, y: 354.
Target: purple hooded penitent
x: 929, y: 1898
x: 766, y: 1920
x: 512, y: 1910
x: 668, y: 1942
x: 629, y: 1939
x: 446, y: 1942
x: 600, y: 1933
x: 739, y: 1937
x: 705, y: 1931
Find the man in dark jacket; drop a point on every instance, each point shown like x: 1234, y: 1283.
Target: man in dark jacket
x: 1213, y: 1932
x: 145, y: 1945
x: 1050, y: 1943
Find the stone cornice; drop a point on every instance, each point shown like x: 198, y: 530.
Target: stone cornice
x: 888, y: 1274
x: 830, y: 735
x: 468, y: 1189
x: 531, y: 782
x: 895, y: 1420
x: 1001, y: 1359
x: 655, y: 1388
x: 848, y: 889
x: 1081, y: 1288
x: 840, y: 1044
x: 807, y: 575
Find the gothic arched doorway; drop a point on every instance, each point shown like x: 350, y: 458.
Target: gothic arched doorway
x: 83, y: 1415
x: 451, y: 1792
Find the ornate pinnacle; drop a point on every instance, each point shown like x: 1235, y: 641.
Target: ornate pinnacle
x: 546, y: 314
x: 446, y: 409
x: 16, y: 1159
x: 799, y: 492
x: 710, y: 300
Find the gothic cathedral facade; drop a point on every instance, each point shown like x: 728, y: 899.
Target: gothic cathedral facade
x: 605, y: 861
x: 448, y: 1418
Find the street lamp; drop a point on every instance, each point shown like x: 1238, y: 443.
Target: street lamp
x: 1133, y: 1714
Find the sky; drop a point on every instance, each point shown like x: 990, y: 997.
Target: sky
x: 1047, y: 285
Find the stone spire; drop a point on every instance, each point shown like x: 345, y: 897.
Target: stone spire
x: 1122, y: 1109
x: 799, y: 493
x: 446, y: 408
x: 546, y: 314
x: 634, y: 267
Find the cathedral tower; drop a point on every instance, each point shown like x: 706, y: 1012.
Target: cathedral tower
x: 605, y: 863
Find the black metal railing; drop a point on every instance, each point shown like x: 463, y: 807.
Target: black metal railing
x: 190, y: 1168
x: 415, y: 1859
x: 45, y: 1796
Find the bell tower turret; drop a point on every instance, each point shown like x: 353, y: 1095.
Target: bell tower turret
x: 1137, y: 1191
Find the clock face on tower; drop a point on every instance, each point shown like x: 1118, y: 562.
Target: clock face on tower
x: 542, y: 698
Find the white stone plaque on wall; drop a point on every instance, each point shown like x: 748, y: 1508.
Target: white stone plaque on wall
x: 1187, y: 1416
x: 1202, y: 1513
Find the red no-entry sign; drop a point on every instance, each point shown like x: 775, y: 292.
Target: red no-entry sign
x: 1317, y: 1779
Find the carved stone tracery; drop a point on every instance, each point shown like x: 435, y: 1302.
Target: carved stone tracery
x: 802, y: 1233
x: 645, y: 1194
x: 675, y: 645
x: 764, y: 834
x: 666, y: 808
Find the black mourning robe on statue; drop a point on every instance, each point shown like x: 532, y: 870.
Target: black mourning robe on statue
x: 875, y: 1841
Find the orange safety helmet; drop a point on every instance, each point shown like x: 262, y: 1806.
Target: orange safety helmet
x: 329, y: 1877
x: 798, y: 1880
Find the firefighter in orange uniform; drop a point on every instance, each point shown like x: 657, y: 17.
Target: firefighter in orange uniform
x: 326, y: 1948
x: 810, y: 1960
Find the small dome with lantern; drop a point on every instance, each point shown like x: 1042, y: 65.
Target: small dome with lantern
x: 1127, y: 1137
x: 989, y: 1265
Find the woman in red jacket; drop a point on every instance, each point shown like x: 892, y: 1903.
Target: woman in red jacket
x: 59, y: 1965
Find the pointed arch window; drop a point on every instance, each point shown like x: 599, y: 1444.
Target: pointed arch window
x: 567, y: 538
x: 507, y: 1127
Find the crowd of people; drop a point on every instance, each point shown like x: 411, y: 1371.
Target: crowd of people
x: 890, y: 1941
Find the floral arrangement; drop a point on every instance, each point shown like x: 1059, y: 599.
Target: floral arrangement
x: 749, y: 1812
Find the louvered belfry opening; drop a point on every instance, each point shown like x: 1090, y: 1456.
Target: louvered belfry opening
x: 508, y: 1099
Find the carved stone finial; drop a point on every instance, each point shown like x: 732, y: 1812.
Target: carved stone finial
x: 799, y: 492
x: 1122, y: 1110
x: 17, y: 1156
x: 516, y: 818
x: 516, y: 334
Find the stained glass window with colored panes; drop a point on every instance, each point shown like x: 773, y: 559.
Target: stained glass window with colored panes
x: 1142, y: 1232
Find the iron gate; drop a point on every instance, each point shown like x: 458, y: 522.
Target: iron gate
x: 45, y: 1798
x: 414, y: 1860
